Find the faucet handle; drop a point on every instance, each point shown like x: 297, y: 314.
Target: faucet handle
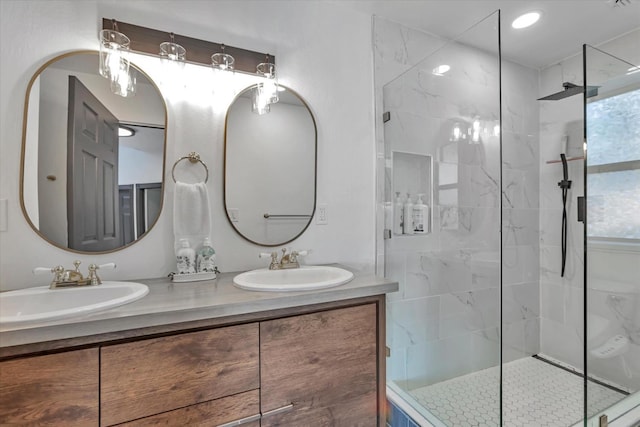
x: 93, y: 274
x: 107, y: 266
x: 45, y: 270
x: 303, y: 253
x: 267, y: 255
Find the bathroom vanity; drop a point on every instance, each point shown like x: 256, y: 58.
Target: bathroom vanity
x: 205, y: 353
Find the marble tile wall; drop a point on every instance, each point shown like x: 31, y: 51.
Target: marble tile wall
x: 445, y: 320
x: 613, y: 285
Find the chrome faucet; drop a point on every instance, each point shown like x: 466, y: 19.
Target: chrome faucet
x: 67, y: 278
x: 287, y: 260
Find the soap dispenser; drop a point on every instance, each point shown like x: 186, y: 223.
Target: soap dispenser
x: 421, y: 216
x: 408, y: 227
x: 186, y: 258
x: 206, y: 257
x: 397, y: 215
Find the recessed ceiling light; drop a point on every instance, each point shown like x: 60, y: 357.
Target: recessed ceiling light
x: 525, y: 20
x: 441, y: 69
x: 125, y: 131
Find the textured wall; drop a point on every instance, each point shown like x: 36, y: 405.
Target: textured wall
x: 444, y: 321
x: 612, y: 308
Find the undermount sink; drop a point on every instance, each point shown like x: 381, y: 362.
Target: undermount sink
x: 43, y: 304
x: 296, y: 279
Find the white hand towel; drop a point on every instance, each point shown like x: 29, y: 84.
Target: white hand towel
x: 191, y: 216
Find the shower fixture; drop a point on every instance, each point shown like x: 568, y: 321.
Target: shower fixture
x: 564, y: 185
x: 570, y: 89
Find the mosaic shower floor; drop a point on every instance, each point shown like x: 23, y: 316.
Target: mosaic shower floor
x: 536, y: 394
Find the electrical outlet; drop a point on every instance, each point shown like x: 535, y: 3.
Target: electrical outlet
x: 321, y: 215
x: 234, y: 214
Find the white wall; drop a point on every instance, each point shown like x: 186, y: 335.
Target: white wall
x: 304, y: 37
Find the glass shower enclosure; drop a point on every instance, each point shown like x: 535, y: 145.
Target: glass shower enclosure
x: 612, y: 234
x: 488, y: 327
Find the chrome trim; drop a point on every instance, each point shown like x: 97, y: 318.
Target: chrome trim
x: 241, y: 421
x: 278, y: 410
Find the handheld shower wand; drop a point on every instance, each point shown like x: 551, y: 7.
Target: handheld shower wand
x: 565, y: 185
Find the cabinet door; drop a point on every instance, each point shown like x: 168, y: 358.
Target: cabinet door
x: 144, y: 378
x: 57, y: 389
x: 238, y: 410
x: 325, y: 364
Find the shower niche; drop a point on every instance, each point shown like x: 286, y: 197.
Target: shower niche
x: 411, y: 179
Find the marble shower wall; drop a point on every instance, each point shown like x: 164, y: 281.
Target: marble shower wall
x: 613, y: 285
x: 445, y: 319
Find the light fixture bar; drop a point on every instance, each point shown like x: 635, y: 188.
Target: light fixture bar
x: 146, y: 40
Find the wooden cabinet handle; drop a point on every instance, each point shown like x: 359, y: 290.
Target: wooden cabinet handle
x: 278, y: 410
x: 241, y: 421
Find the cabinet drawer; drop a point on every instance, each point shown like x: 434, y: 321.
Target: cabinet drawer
x: 325, y: 364
x: 209, y: 414
x: 55, y: 390
x: 145, y: 378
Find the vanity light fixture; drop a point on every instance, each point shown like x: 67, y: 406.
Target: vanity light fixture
x: 114, y: 60
x: 259, y: 100
x: 222, y: 61
x: 265, y: 92
x: 172, y: 51
x: 456, y: 133
x: 526, y: 20
x: 267, y: 70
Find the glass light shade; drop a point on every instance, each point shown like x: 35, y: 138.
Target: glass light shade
x: 124, y: 84
x: 270, y: 85
x: 260, y: 100
x: 222, y: 61
x: 114, y: 53
x: 170, y: 51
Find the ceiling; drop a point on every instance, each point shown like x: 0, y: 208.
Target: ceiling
x: 564, y: 27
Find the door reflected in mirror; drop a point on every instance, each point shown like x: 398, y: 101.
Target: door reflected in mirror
x: 270, y: 168
x: 92, y: 161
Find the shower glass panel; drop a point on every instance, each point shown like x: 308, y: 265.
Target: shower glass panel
x: 442, y: 216
x: 612, y: 172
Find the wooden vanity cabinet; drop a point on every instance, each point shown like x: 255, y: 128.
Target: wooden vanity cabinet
x: 320, y: 369
x: 55, y: 390
x: 308, y: 366
x: 153, y: 376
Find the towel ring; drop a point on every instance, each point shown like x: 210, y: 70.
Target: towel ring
x: 193, y: 157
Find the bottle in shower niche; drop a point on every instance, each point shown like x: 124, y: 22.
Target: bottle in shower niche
x: 206, y: 257
x: 421, y: 216
x: 398, y: 215
x: 408, y: 227
x: 186, y: 258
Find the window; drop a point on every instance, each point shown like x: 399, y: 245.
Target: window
x: 613, y: 172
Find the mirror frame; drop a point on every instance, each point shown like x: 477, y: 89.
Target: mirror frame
x: 24, y: 142
x: 315, y: 166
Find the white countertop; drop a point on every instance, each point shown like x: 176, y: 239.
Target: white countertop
x: 170, y: 303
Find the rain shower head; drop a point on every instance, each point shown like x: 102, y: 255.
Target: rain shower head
x: 570, y: 89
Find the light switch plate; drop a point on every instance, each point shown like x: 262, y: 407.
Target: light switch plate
x: 234, y: 214
x: 321, y: 214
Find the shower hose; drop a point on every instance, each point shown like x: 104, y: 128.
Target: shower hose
x: 565, y: 185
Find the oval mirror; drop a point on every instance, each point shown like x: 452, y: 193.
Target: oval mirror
x: 270, y: 168
x: 92, y: 162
